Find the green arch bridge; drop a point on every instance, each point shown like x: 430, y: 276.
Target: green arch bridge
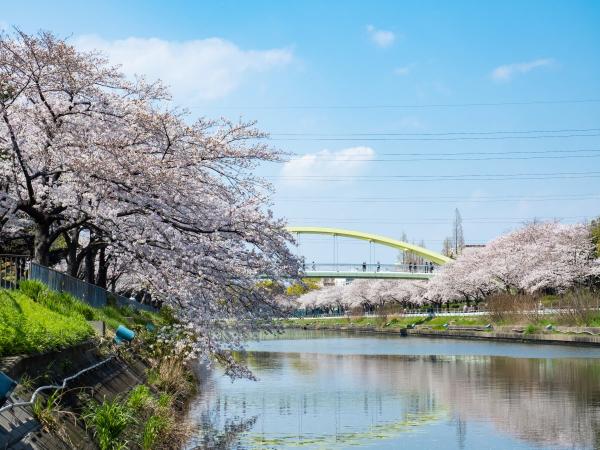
x: 391, y: 271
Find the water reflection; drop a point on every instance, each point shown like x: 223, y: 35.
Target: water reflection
x: 328, y: 400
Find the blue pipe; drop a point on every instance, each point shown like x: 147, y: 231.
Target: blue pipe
x: 124, y: 334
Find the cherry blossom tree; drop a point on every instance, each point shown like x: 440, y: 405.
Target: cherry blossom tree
x: 541, y: 256
x: 359, y: 294
x: 534, y: 258
x: 407, y: 292
x: 87, y: 152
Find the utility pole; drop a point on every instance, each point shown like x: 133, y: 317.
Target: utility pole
x: 457, y: 232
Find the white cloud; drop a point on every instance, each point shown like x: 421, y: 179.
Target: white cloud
x: 201, y: 69
x: 381, y: 38
x: 349, y: 161
x: 507, y: 72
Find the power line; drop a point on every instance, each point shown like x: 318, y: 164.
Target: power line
x: 435, y: 221
x: 453, y: 197
x: 507, y: 152
x: 406, y: 106
x: 493, y: 158
x: 450, y: 133
x: 462, y: 177
x: 568, y: 153
x: 423, y: 139
x: 417, y: 200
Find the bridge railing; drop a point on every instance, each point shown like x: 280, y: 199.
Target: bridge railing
x: 399, y: 268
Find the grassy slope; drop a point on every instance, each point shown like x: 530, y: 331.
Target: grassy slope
x: 29, y: 327
x: 36, y: 319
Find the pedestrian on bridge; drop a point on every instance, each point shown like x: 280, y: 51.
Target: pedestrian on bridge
x: 378, y: 266
x: 364, y: 266
x: 430, y: 267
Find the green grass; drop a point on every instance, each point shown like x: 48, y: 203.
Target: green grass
x: 530, y: 329
x: 437, y: 322
x: 139, y: 397
x: 109, y: 420
x: 65, y: 304
x: 153, y: 427
x: 390, y: 322
x: 36, y: 319
x: 27, y: 326
x: 141, y: 419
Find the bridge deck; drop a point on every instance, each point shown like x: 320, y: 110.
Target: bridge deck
x: 375, y: 275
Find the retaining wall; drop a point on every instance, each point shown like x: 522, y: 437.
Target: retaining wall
x: 545, y: 338
x: 19, y: 430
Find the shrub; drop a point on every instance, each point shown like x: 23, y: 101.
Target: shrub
x: 578, y: 307
x: 515, y: 308
x: 170, y: 375
x: 381, y: 321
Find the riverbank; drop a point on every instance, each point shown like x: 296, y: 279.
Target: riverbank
x: 456, y: 328
x: 124, y: 402
x: 133, y: 395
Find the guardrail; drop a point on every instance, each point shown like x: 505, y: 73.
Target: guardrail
x: 89, y: 293
x: 301, y: 313
x: 333, y: 267
x: 15, y: 268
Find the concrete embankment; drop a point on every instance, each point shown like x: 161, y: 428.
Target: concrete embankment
x: 568, y: 336
x: 19, y: 429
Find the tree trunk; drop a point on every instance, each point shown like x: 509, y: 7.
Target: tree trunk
x: 41, y: 246
x: 72, y: 260
x: 89, y: 263
x: 102, y: 268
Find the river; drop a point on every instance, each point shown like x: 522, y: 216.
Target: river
x: 327, y: 390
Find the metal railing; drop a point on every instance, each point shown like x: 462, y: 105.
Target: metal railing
x: 89, y: 293
x: 403, y: 268
x: 58, y: 281
x: 13, y: 269
x: 399, y: 311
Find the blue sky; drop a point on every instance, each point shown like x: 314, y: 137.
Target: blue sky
x: 332, y: 80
